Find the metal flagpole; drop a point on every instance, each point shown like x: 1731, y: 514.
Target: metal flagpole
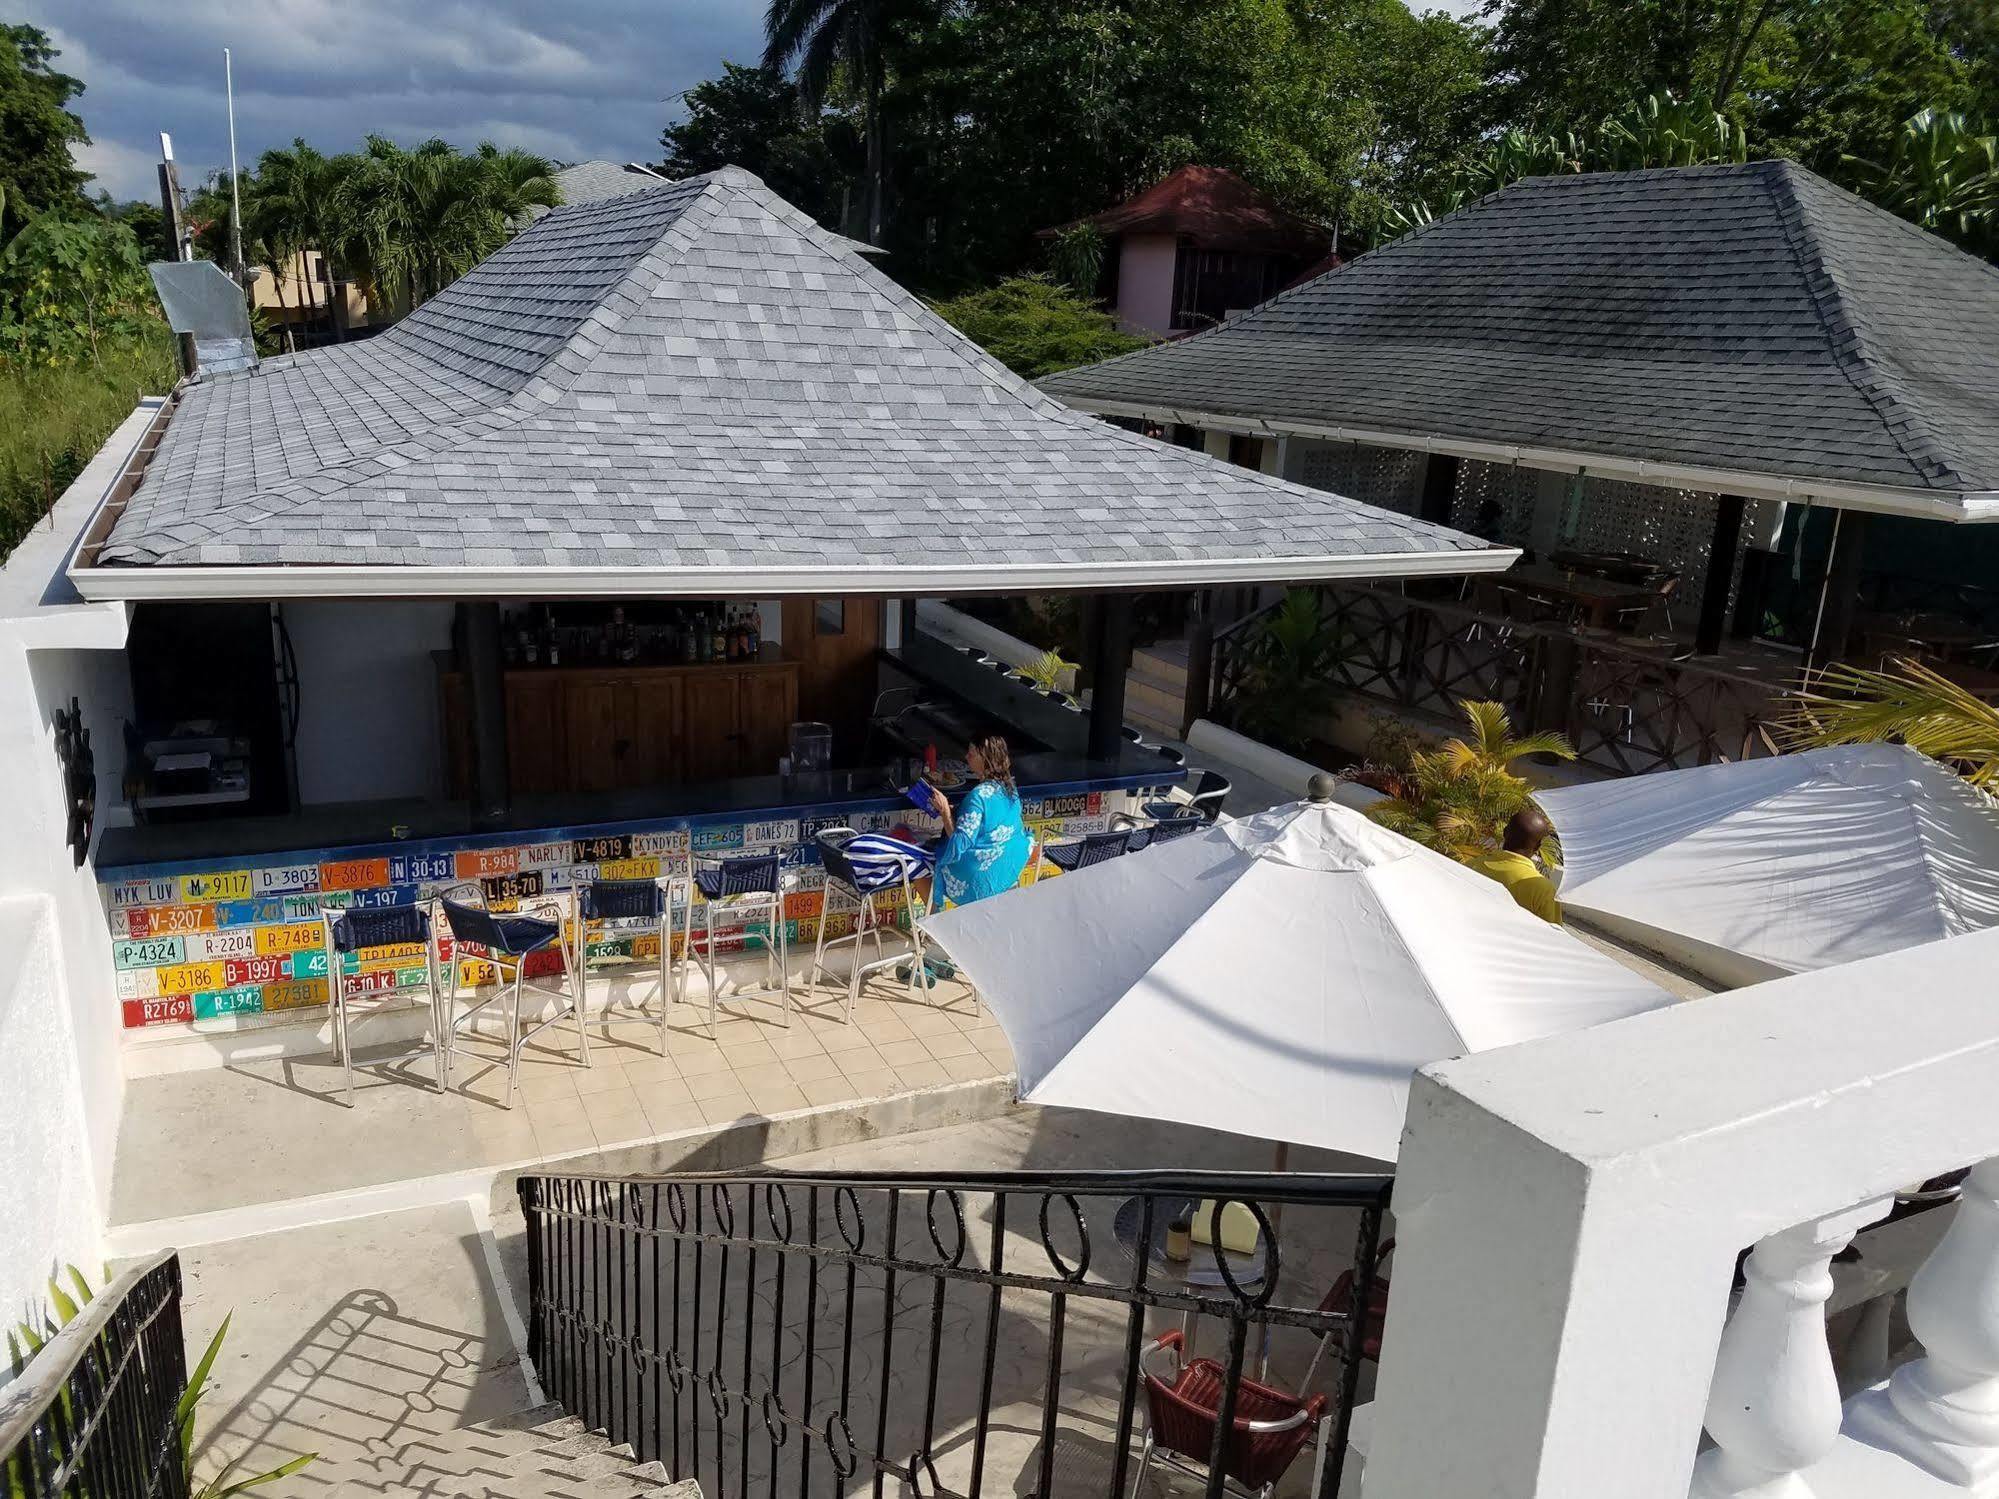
x: 235, y: 186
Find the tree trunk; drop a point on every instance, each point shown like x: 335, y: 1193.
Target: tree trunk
x: 278, y: 276
x: 877, y: 156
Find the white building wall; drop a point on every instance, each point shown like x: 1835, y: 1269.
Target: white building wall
x: 53, y: 1218
x: 1146, y: 264
x: 368, y: 725
x: 61, y: 1075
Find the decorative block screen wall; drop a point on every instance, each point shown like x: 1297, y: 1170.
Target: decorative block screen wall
x: 1389, y: 477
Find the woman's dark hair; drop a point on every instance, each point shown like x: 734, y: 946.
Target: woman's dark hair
x: 998, y: 762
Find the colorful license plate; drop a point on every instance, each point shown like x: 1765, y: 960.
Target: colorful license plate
x: 543, y: 855
x: 275, y: 941
x: 249, y: 912
x: 353, y: 874
x: 239, y: 971
x: 708, y: 840
x: 383, y: 895
x: 421, y: 869
x: 164, y: 1011
x: 284, y: 879
x: 137, y: 983
x: 219, y: 884
x: 192, y: 978
x: 512, y: 886
x: 780, y: 831
x: 228, y: 942
x: 485, y: 863
x: 629, y: 869
x: 294, y: 994
x: 653, y: 845
x: 248, y: 1000
x: 144, y: 892
x: 149, y: 952
x: 606, y: 846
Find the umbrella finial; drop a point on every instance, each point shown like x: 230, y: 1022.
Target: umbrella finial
x: 1321, y: 787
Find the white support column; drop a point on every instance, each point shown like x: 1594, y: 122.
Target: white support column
x: 1215, y: 443
x: 1942, y: 1411
x: 1773, y: 1409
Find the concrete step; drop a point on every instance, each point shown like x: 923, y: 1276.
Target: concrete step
x: 541, y: 1453
x: 1148, y: 701
x: 1165, y: 663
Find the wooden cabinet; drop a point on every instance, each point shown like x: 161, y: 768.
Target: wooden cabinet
x: 622, y: 728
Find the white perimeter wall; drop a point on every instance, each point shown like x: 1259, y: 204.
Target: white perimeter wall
x: 368, y: 727
x: 61, y: 1078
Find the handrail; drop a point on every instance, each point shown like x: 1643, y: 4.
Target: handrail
x: 47, y: 1374
x: 1329, y: 1188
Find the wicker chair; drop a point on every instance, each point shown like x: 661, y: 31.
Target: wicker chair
x: 1268, y: 1432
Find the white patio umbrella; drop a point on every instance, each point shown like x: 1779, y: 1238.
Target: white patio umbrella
x: 1760, y: 868
x: 1279, y: 976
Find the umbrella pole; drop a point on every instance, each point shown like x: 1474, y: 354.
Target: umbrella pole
x: 1280, y: 1160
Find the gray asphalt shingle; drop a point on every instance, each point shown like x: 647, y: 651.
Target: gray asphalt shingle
x: 1750, y: 318
x: 692, y: 375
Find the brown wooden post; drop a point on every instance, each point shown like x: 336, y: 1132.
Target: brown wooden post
x: 1720, y: 570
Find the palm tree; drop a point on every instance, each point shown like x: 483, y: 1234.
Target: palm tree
x: 298, y: 195
x: 1909, y: 703
x: 1459, y: 797
x: 824, y: 36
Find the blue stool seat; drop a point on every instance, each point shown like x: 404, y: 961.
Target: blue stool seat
x: 352, y: 931
x: 508, y: 936
x: 508, y: 940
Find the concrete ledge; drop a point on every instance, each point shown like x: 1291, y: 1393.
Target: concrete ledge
x: 958, y: 627
x: 1273, y: 765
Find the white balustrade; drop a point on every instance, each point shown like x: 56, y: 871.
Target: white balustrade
x: 1774, y: 1408
x: 1941, y: 1411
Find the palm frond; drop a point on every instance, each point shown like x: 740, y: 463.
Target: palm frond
x: 1908, y: 703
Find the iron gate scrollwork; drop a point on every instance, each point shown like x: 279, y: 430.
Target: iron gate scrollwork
x: 803, y: 1334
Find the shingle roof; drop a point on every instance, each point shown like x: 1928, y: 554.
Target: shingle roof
x: 1747, y: 318
x: 593, y: 181
x: 697, y: 376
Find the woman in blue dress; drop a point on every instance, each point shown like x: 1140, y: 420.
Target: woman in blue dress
x: 986, y: 843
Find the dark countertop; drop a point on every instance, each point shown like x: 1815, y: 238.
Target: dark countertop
x: 369, y: 829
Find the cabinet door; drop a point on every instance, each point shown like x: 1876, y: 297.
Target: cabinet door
x: 712, y: 741
x: 535, y: 738
x: 770, y: 702
x: 656, y: 732
x: 598, y: 743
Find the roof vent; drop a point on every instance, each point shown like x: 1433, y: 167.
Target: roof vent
x: 200, y: 299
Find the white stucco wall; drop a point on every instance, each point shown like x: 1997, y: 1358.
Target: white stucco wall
x: 52, y: 1216
x: 368, y: 723
x: 61, y: 1074
x: 1145, y: 282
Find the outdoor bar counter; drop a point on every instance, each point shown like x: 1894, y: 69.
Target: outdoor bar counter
x: 215, y: 924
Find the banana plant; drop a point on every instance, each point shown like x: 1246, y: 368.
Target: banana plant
x: 1943, y: 173
x: 1459, y: 797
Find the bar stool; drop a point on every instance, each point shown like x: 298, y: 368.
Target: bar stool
x: 509, y: 940
x: 1209, y: 793
x: 1080, y: 853
x: 1155, y: 830
x: 644, y: 903
x: 348, y: 932
x: 859, y: 868
x: 746, y: 886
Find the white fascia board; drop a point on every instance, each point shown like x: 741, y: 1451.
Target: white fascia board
x: 279, y: 582
x: 1960, y: 506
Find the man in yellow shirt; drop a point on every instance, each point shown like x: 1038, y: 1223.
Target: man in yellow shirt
x: 1514, y: 867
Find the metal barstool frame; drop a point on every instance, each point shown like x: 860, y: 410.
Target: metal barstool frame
x: 338, y: 1001
x: 667, y: 885
x: 868, y: 922
x: 777, y: 945
x: 509, y: 987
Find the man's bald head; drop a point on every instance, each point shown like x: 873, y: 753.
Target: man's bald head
x: 1528, y: 830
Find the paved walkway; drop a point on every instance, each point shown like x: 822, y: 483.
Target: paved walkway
x: 272, y: 1132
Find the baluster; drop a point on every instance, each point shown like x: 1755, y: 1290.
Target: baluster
x: 1941, y: 1412
x: 1773, y: 1409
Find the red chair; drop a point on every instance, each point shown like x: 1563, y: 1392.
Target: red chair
x: 1341, y: 1297
x: 1270, y: 1427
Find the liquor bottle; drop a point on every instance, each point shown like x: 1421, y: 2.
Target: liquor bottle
x: 721, y: 640
x: 753, y: 625
x: 686, y: 628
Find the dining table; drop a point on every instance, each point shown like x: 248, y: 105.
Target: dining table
x: 1591, y: 599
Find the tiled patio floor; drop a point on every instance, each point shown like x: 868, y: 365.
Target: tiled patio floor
x: 272, y: 1130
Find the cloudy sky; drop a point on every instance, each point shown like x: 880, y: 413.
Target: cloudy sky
x: 571, y: 79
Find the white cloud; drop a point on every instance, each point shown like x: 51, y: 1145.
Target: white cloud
x: 571, y: 80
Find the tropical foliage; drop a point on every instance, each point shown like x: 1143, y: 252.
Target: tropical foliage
x: 1287, y: 660
x: 1459, y: 797
x: 1909, y: 704
x: 37, y: 128
x: 27, y: 1339
x: 1941, y: 172
x: 1035, y: 327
